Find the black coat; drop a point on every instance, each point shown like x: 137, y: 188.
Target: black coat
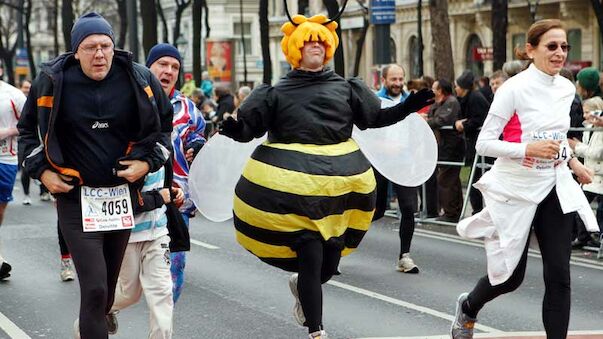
x: 474, y: 108
x: 451, y: 146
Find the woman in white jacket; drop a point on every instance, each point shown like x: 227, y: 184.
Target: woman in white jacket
x: 591, y: 149
x: 530, y: 184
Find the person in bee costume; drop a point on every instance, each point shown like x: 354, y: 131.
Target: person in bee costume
x: 307, y: 195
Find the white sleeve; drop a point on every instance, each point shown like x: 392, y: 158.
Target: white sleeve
x: 489, y: 145
x: 502, y: 109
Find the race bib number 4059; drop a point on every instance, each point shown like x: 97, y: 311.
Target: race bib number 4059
x: 106, y: 208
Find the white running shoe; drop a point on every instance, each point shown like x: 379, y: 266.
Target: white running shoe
x: 298, y: 312
x: 45, y: 196
x: 406, y: 264
x: 318, y: 335
x: 26, y: 200
x: 67, y: 273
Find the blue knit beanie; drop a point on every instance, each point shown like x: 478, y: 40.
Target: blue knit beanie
x: 161, y: 50
x: 88, y: 24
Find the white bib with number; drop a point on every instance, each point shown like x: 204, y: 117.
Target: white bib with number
x: 106, y: 208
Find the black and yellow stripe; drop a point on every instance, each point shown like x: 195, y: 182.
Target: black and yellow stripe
x: 291, y: 190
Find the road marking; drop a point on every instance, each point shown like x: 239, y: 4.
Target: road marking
x: 477, y: 243
x: 500, y: 335
x: 406, y: 304
x: 204, y: 244
x: 11, y: 329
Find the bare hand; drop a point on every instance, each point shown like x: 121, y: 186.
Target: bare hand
x: 573, y: 142
x: 165, y: 195
x: 190, y: 155
x: 55, y: 182
x: 545, y: 149
x: 458, y: 125
x: 583, y: 173
x: 135, y: 170
x: 178, y: 195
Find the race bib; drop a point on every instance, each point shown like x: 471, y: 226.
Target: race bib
x: 106, y: 208
x: 5, y: 148
x: 564, y: 154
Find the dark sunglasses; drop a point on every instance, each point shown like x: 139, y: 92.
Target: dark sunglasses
x: 553, y: 47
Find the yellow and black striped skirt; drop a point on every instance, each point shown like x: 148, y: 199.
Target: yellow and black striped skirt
x: 291, y: 192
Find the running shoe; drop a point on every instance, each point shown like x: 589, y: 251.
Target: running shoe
x: 45, y: 196
x: 462, y: 326
x: 67, y: 273
x: 298, y: 312
x: 5, y: 270
x: 406, y: 264
x: 112, y: 324
x: 26, y: 200
x: 318, y: 335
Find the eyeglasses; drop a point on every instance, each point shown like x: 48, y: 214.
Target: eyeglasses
x: 91, y: 50
x: 553, y: 46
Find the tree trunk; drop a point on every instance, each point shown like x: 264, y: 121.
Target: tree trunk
x: 333, y: 8
x: 440, y: 32
x: 360, y: 45
x: 180, y: 7
x: 499, y: 32
x: 164, y: 27
x: 7, y: 55
x: 67, y: 18
x: 598, y: 8
x: 420, y: 37
x: 197, y: 18
x: 55, y: 26
x: 148, y: 14
x: 207, y: 28
x: 27, y: 15
x: 122, y: 12
x: 265, y: 42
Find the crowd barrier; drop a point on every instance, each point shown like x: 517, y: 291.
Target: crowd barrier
x: 479, y: 163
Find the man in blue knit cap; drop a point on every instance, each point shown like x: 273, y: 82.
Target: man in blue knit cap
x: 106, y: 123
x: 165, y: 63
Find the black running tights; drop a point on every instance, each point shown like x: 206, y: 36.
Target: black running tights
x: 317, y: 264
x: 553, y: 230
x: 97, y: 257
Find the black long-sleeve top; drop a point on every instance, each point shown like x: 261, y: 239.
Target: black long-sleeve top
x: 312, y: 108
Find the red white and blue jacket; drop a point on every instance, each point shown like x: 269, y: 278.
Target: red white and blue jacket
x: 187, y: 133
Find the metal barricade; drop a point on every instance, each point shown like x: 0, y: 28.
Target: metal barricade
x: 483, y: 166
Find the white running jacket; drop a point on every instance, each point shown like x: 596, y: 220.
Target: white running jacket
x: 530, y: 106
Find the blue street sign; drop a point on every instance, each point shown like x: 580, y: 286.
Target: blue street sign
x: 21, y: 58
x: 382, y: 12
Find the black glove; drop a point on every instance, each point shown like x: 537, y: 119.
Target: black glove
x: 230, y: 127
x: 417, y: 100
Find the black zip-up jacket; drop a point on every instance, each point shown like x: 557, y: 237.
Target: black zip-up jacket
x: 39, y: 148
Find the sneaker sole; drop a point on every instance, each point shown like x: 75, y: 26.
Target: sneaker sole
x: 413, y: 270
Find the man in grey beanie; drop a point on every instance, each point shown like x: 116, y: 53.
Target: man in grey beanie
x: 106, y: 123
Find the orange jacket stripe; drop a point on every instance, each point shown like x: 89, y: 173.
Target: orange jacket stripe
x: 45, y: 101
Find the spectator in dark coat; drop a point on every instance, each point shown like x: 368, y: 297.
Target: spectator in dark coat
x: 225, y: 102
x: 474, y: 108
x: 443, y: 113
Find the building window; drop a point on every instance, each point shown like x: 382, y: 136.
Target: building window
x: 246, y: 37
x: 471, y: 63
x: 517, y: 41
x: 574, y: 38
x: 304, y: 8
x: 413, y: 57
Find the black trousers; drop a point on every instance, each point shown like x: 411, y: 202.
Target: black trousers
x: 407, y: 202
x: 318, y: 261
x: 553, y: 230
x: 97, y: 257
x: 450, y: 192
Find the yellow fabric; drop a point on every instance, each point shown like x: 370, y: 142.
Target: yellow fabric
x: 341, y: 148
x: 283, y: 180
x: 264, y: 250
x: 308, y: 29
x: 329, y: 226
